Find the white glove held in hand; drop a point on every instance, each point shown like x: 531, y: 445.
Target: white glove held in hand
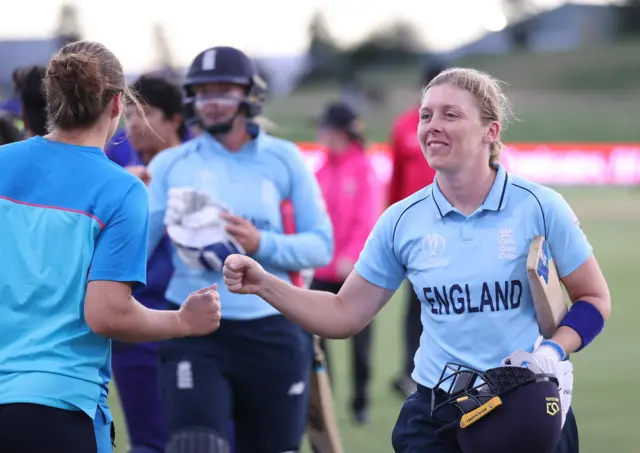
x: 182, y: 201
x: 197, y: 231
x: 548, y: 358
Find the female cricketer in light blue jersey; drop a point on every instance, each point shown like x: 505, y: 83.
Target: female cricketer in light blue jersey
x: 73, y: 242
x: 462, y: 242
x: 217, y: 194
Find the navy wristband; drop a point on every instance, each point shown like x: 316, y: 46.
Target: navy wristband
x: 586, y: 320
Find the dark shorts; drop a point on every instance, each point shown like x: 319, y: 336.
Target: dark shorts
x: 255, y: 373
x: 33, y: 428
x: 415, y: 430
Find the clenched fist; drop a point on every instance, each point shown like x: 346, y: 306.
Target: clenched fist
x: 200, y: 313
x: 243, y: 275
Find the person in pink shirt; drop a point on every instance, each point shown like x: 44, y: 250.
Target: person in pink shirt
x: 350, y: 191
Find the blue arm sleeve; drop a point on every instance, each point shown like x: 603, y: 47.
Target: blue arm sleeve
x: 378, y: 263
x: 158, y: 189
x: 120, y: 254
x: 569, y: 245
x: 312, y: 245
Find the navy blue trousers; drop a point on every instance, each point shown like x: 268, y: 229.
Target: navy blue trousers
x: 255, y: 373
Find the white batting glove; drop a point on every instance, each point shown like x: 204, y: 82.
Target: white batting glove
x: 182, y: 201
x: 197, y: 231
x: 548, y: 358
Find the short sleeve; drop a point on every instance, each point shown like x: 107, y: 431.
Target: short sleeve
x: 121, y: 249
x: 378, y: 263
x: 569, y: 245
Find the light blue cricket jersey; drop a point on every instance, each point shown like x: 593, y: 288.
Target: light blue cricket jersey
x: 469, y: 272
x: 68, y: 215
x: 252, y: 183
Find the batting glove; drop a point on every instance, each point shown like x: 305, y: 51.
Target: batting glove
x: 197, y: 231
x: 182, y: 201
x: 548, y: 358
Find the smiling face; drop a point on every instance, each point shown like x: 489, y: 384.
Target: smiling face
x: 453, y: 132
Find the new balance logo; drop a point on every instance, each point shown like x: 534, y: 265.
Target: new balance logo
x: 297, y: 388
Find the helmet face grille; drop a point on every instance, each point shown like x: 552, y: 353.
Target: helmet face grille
x: 503, y: 379
x: 502, y: 410
x: 466, y: 389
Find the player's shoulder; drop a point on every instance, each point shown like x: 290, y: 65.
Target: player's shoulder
x: 11, y: 147
x: 280, y: 153
x: 523, y: 189
x: 408, y: 205
x: 16, y: 149
x: 116, y: 184
x: 169, y: 156
x: 277, y: 146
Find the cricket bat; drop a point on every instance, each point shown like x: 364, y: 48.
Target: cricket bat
x: 546, y: 288
x: 322, y: 428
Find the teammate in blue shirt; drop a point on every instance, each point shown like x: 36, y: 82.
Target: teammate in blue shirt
x: 135, y: 366
x: 73, y: 242
x: 255, y: 369
x: 462, y: 242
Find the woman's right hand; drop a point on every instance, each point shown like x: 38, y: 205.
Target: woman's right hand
x: 200, y: 314
x: 243, y: 275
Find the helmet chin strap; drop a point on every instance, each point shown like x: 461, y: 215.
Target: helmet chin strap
x: 221, y: 129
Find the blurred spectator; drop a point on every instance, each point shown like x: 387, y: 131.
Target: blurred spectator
x: 121, y: 151
x: 12, y: 105
x: 34, y: 104
x: 410, y: 174
x: 348, y: 186
x: 164, y: 125
x: 9, y: 133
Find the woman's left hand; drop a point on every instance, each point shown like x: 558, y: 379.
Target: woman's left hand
x: 243, y: 231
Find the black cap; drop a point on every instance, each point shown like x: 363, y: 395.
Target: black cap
x: 340, y: 116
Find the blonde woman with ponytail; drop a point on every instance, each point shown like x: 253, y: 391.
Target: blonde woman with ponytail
x: 462, y: 242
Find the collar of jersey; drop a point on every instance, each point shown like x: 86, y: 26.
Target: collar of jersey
x: 495, y: 201
x: 70, y: 147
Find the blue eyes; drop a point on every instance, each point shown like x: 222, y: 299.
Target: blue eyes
x: 448, y: 115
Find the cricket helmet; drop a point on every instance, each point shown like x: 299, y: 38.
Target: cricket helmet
x: 501, y: 410
x: 226, y: 65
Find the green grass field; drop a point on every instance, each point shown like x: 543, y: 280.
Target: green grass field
x: 606, y: 374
